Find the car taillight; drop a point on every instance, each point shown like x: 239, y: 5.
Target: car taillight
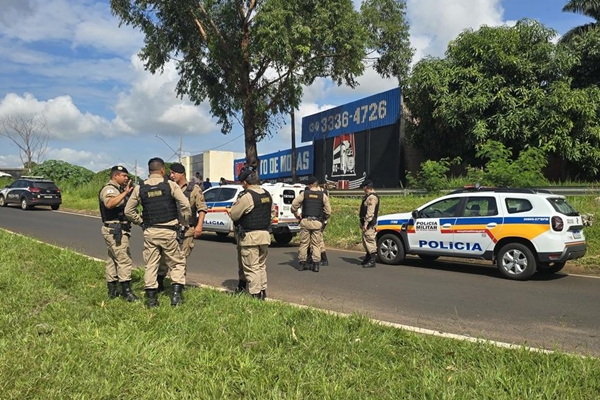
x: 57, y: 190
x: 35, y: 190
x: 557, y: 224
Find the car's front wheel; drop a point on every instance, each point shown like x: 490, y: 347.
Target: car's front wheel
x: 2, y: 201
x: 516, y: 261
x: 390, y: 249
x: 283, y: 238
x: 550, y: 268
x: 25, y: 204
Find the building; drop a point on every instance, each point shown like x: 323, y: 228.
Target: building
x: 277, y: 167
x: 211, y: 164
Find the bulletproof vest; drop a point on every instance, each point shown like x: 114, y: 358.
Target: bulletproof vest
x: 363, y: 210
x: 158, y: 203
x: 188, y: 193
x: 111, y: 214
x: 312, y: 206
x: 259, y: 219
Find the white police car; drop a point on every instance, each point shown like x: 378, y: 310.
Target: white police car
x: 521, y: 230
x: 219, y: 200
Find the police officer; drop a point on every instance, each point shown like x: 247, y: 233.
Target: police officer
x: 369, y: 208
x: 198, y: 210
x: 161, y: 200
x: 324, y: 260
x: 116, y: 232
x: 316, y: 210
x: 252, y: 214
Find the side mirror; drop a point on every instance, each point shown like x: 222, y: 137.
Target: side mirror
x: 415, y: 214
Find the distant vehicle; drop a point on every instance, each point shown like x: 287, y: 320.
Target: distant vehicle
x: 5, y: 175
x: 521, y: 230
x: 31, y: 191
x: 219, y: 200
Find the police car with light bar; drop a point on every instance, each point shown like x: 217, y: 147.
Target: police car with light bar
x: 521, y: 230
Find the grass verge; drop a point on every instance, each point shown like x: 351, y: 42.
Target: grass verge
x: 60, y: 338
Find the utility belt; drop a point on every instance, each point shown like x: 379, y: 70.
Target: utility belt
x: 126, y: 226
x: 313, y: 219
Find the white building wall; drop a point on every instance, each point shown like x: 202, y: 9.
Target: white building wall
x: 211, y: 164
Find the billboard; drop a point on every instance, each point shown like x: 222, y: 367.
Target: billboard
x: 279, y: 165
x: 365, y: 114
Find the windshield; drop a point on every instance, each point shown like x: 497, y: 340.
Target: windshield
x: 562, y: 206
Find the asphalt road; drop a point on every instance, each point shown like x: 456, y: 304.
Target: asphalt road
x: 552, y: 312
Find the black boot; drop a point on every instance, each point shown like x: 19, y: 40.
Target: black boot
x: 263, y: 294
x: 372, y: 261
x: 151, y: 298
x: 241, y: 287
x: 113, y: 291
x: 367, y: 259
x: 315, y: 267
x: 127, y: 293
x: 177, y: 296
x: 257, y: 295
x: 324, y: 261
x: 161, y: 282
x: 302, y: 266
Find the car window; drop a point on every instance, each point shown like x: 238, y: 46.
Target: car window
x: 518, y: 205
x: 481, y: 207
x: 288, y: 196
x: 441, y: 209
x: 15, y: 184
x: 45, y: 185
x: 210, y: 195
x: 226, y: 194
x: 562, y: 206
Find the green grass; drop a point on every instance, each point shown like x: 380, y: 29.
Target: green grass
x: 60, y: 338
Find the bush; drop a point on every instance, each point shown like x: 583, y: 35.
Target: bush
x: 63, y: 173
x: 433, y: 175
x: 501, y: 170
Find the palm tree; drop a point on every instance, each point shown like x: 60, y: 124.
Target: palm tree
x: 589, y: 8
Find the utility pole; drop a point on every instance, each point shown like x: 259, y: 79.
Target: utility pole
x: 180, y: 147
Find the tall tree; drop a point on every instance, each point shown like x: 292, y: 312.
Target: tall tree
x: 29, y: 132
x: 249, y: 58
x: 509, y: 84
x: 589, y: 8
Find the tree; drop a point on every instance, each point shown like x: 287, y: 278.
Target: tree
x: 589, y: 8
x: 508, y: 84
x: 249, y: 58
x: 586, y: 50
x: 29, y: 132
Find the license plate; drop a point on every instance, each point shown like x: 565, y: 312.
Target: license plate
x: 286, y: 208
x: 48, y: 197
x: 577, y: 235
x: 294, y: 228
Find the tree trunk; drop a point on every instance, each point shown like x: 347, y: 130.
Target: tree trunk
x: 293, y: 118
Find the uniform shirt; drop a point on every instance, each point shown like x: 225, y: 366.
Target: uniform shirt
x: 298, y: 200
x: 154, y: 179
x: 370, y: 203
x: 244, y: 205
x: 197, y: 198
x: 108, y: 192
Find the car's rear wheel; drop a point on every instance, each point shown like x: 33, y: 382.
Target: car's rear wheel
x: 550, y: 268
x: 55, y: 207
x: 390, y: 249
x: 516, y: 261
x: 283, y: 238
x: 25, y: 204
x: 2, y: 201
x: 222, y: 234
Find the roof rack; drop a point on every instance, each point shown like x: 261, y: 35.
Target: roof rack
x: 500, y: 190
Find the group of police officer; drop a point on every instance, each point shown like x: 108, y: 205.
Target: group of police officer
x: 173, y: 212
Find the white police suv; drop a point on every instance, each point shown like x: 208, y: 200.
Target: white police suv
x: 521, y: 230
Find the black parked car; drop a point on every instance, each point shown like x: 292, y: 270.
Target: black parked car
x: 31, y: 191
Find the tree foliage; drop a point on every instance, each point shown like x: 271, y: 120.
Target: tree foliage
x: 62, y: 172
x: 589, y: 8
x: 507, y: 84
x: 249, y: 58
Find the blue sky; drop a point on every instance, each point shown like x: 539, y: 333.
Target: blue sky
x: 69, y: 61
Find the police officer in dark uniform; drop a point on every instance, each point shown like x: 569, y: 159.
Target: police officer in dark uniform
x: 316, y: 209
x: 116, y: 231
x: 252, y: 214
x: 164, y: 206
x: 369, y: 209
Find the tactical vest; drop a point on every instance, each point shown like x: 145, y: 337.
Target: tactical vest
x: 158, y: 203
x: 259, y: 219
x: 363, y: 211
x: 111, y: 214
x: 188, y: 193
x: 312, y: 206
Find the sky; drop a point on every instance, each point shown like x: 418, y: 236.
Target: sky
x: 69, y: 61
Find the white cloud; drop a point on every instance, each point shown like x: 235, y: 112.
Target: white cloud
x: 87, y: 159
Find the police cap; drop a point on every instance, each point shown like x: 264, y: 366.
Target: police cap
x: 312, y: 180
x: 177, y: 167
x: 119, y: 168
x: 366, y: 182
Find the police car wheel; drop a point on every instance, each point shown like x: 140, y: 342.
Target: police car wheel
x: 55, y: 207
x: 516, y: 261
x: 550, y: 268
x: 390, y: 249
x: 2, y: 202
x: 222, y: 234
x: 25, y: 204
x: 283, y: 238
